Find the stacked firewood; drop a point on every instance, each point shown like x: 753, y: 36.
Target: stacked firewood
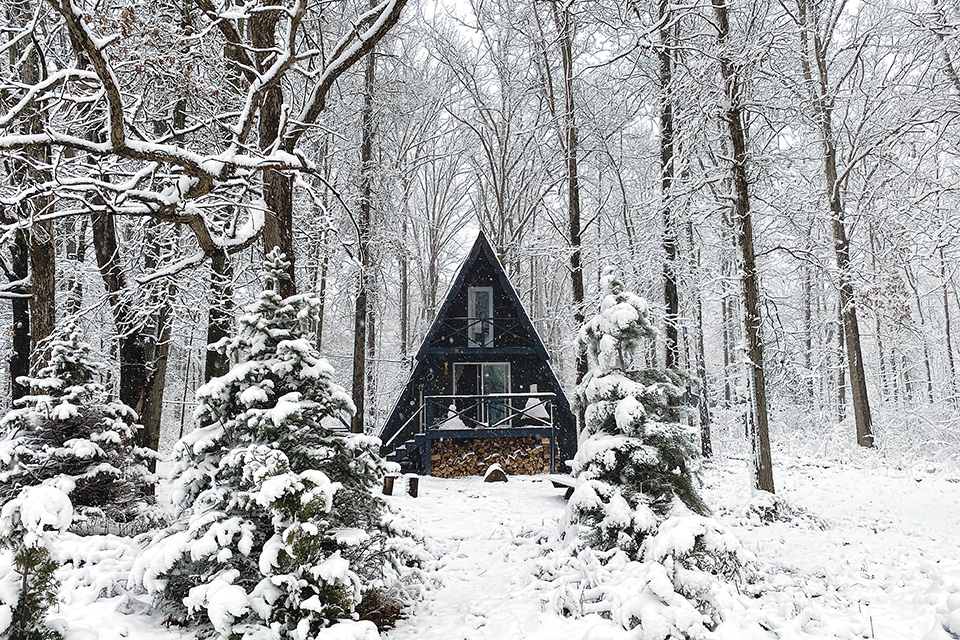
x: 472, y: 457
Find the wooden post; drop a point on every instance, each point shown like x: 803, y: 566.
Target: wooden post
x: 388, y: 485
x: 413, y: 486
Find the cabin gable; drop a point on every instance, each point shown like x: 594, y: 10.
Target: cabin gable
x: 482, y: 372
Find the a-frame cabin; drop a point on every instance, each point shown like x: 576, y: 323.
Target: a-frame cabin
x: 482, y: 389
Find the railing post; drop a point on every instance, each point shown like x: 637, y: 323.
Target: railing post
x: 428, y: 414
x: 553, y: 438
x: 426, y: 453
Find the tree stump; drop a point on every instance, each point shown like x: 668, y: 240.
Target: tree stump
x: 388, y: 485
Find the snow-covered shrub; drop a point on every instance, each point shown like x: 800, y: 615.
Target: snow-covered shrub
x: 765, y: 508
x: 27, y: 584
x: 70, y: 434
x: 635, y: 456
x: 283, y: 531
x: 637, y: 546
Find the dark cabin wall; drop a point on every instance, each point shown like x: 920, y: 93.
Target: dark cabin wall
x: 515, y: 341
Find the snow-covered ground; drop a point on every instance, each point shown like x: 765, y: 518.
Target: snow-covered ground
x: 869, y: 552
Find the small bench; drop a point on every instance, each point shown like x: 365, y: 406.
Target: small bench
x: 563, y: 482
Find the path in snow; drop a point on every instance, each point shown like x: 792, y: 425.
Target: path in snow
x: 486, y: 536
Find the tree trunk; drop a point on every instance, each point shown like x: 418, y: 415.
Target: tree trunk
x: 671, y: 298
x: 76, y: 251
x: 841, y: 369
x: 404, y: 292
x: 362, y: 309
x: 923, y: 333
x: 40, y: 238
x: 564, y: 22
x: 819, y: 87
x: 952, y: 377
x: 734, y: 116
x: 43, y: 286
x: 20, y: 353
x: 277, y: 186
x: 220, y: 314
x: 133, y: 347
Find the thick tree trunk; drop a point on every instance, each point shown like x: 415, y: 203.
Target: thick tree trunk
x: 362, y: 308
x: 151, y: 415
x: 220, y: 314
x: 40, y: 236
x: 43, y: 285
x: 133, y: 348
x: 671, y: 298
x: 277, y: 186
x: 734, y: 116
x: 20, y: 353
x: 156, y: 331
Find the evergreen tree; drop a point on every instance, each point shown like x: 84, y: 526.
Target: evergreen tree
x: 28, y: 524
x: 282, y: 518
x: 68, y: 433
x: 634, y: 460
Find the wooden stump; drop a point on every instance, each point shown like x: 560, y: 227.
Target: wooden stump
x: 388, y: 485
x: 413, y: 486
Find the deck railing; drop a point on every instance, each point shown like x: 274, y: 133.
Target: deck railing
x: 494, y: 411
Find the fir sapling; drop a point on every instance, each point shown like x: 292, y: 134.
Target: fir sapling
x: 282, y: 532
x: 637, y: 540
x: 28, y: 587
x: 70, y: 433
x: 636, y: 455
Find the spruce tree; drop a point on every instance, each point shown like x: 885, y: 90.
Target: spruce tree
x: 68, y: 432
x: 281, y: 514
x: 634, y: 462
x: 28, y: 525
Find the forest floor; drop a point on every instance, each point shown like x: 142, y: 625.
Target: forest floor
x: 867, y: 552
x: 869, y: 549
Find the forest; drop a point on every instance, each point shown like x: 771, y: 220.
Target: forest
x: 191, y: 187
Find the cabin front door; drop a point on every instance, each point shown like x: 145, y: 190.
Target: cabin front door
x: 483, y: 378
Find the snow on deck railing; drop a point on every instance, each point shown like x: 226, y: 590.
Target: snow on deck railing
x: 490, y: 411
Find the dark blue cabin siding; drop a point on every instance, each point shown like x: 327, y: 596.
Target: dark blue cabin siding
x: 448, y: 342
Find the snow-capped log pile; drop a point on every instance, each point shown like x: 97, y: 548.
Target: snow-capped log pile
x: 637, y: 544
x: 473, y: 456
x: 282, y: 535
x: 69, y: 434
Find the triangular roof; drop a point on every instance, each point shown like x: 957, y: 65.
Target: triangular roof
x: 482, y: 251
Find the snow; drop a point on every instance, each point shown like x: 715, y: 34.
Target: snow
x: 40, y: 511
x: 844, y: 551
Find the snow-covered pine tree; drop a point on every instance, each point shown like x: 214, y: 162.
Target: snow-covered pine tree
x: 28, y: 587
x: 634, y: 460
x: 284, y: 530
x: 70, y: 434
